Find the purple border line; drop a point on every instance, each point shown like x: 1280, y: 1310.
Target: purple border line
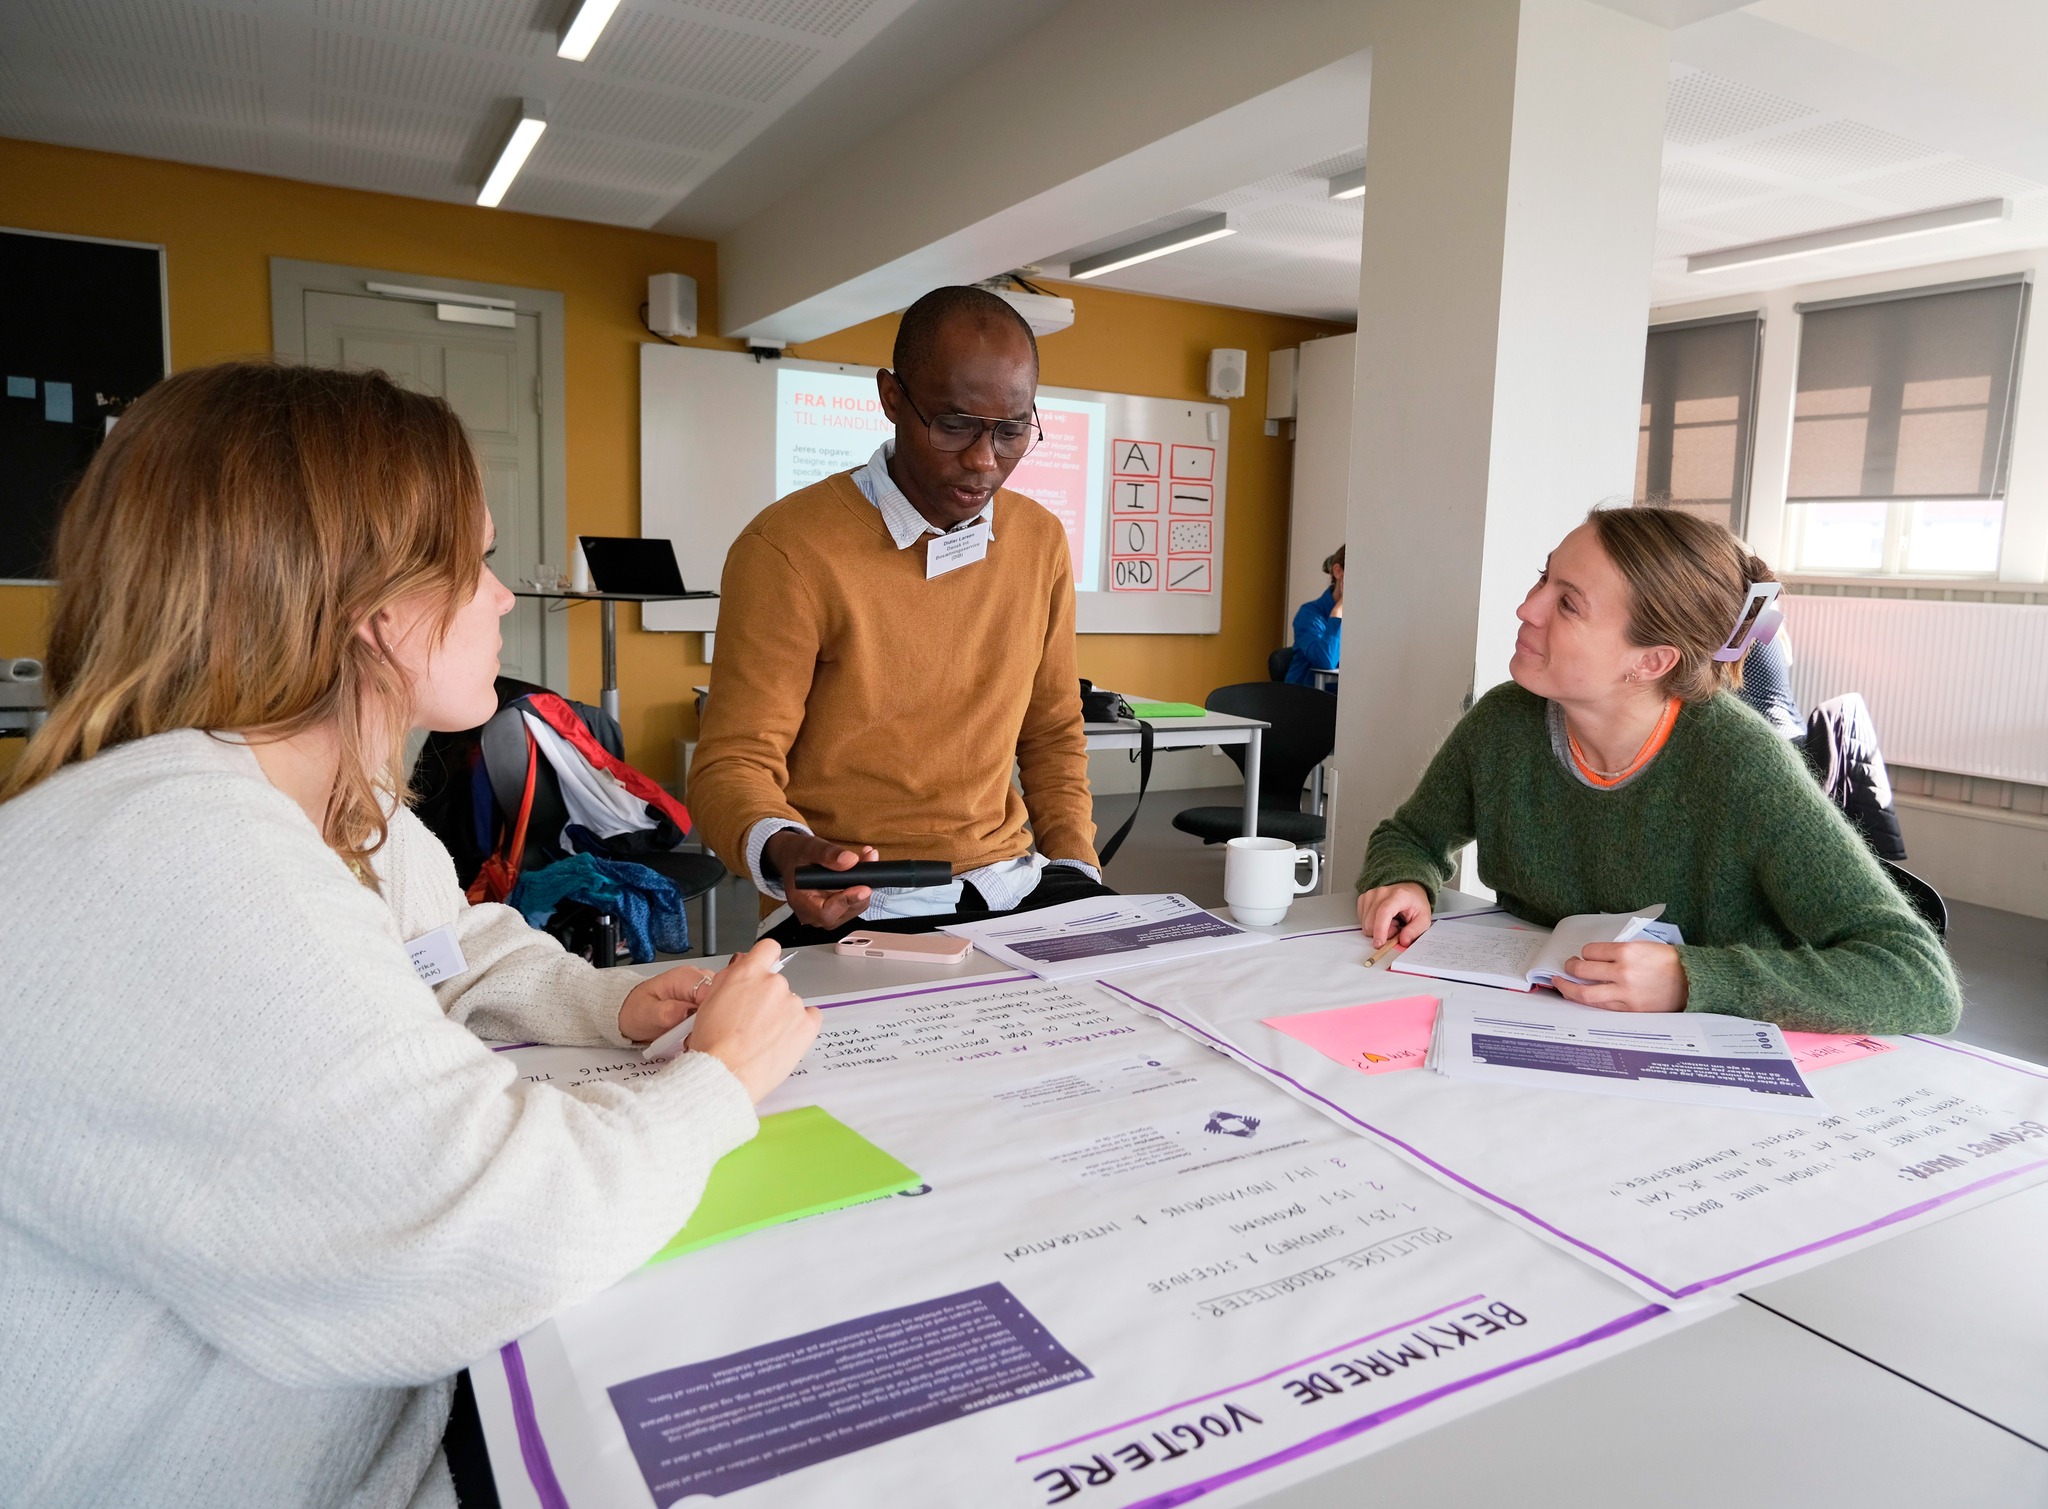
x: 533, y: 1451
x: 1232, y: 1388
x: 508, y: 1047
x: 925, y: 990
x: 1192, y: 1491
x: 2020, y: 1067
x: 1918, y: 1208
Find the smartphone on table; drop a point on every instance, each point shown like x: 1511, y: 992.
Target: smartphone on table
x: 920, y: 948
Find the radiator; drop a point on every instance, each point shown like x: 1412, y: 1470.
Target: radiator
x: 1961, y: 687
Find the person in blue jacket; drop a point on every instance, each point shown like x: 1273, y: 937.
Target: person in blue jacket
x: 1319, y: 628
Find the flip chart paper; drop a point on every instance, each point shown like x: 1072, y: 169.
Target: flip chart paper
x: 1373, y: 1038
x: 1678, y: 1201
x: 1379, y: 1037
x: 801, y: 1163
x: 1186, y: 1285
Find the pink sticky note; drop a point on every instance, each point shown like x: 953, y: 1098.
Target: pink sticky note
x: 1374, y: 1038
x: 1823, y: 1050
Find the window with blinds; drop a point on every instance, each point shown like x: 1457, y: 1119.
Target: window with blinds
x: 1698, y: 416
x: 1902, y: 429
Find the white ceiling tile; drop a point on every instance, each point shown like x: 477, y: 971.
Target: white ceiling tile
x: 505, y: 26
x: 1834, y: 149
x: 1793, y: 215
x: 390, y: 172
x: 386, y: 126
x: 1691, y: 188
x: 375, y: 66
x: 1702, y: 108
x: 820, y: 18
x: 535, y: 195
x: 1948, y: 182
x: 647, y: 114
x: 136, y: 86
x: 187, y: 33
x: 683, y: 54
x: 575, y: 157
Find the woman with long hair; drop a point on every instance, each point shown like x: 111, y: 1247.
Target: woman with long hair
x: 1616, y: 769
x: 265, y: 1189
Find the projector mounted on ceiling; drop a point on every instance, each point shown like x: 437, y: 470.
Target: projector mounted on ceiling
x: 1045, y: 314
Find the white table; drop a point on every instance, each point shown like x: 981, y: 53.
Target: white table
x: 1906, y: 1375
x: 1325, y: 681
x: 1195, y: 733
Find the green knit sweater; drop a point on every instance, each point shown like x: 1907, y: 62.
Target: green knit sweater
x: 1787, y: 916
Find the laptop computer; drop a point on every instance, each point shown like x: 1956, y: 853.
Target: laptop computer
x: 632, y: 566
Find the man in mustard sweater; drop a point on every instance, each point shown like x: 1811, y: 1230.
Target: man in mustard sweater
x: 892, y: 641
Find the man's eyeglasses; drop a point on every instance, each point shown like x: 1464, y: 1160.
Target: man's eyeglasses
x: 1012, y: 438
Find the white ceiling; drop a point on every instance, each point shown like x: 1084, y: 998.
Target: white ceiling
x: 691, y: 116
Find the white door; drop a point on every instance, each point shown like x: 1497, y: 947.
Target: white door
x: 491, y: 378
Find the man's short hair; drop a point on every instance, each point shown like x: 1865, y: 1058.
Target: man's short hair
x: 917, y: 337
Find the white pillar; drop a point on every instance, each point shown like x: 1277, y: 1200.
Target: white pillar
x: 1512, y: 159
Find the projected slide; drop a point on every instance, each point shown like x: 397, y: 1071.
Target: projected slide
x: 828, y: 422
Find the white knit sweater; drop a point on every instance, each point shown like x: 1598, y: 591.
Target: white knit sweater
x: 262, y: 1191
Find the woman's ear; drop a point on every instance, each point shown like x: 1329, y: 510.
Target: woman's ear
x: 375, y: 631
x: 1653, y: 664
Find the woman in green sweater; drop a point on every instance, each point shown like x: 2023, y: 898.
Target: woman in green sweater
x: 1613, y: 772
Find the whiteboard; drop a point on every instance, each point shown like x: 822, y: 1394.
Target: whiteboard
x: 1140, y: 482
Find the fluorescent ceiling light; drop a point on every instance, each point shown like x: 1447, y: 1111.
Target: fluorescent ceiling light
x: 582, y: 32
x: 1348, y: 185
x: 1211, y: 228
x: 533, y: 119
x: 1863, y: 233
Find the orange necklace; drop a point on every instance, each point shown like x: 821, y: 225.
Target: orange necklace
x: 1647, y: 753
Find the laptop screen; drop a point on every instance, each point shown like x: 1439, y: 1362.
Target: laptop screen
x: 632, y: 565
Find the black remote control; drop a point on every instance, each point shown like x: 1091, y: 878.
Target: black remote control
x: 917, y: 873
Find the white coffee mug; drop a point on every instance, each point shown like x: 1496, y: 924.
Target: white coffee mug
x: 1258, y: 878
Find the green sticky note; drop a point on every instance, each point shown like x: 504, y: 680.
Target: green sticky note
x: 801, y: 1163
x: 1167, y: 710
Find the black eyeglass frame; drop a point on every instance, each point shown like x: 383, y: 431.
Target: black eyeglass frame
x: 988, y: 425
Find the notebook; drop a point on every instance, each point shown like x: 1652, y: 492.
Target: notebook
x: 801, y: 1163
x: 1523, y: 958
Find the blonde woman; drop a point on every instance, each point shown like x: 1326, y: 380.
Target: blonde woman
x: 264, y: 1189
x: 1615, y: 770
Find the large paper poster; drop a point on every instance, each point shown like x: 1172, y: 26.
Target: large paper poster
x: 1678, y: 1201
x: 1138, y: 1276
x: 1065, y: 474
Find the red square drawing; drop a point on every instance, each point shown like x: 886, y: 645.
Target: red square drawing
x: 1188, y: 573
x: 1133, y: 574
x: 1133, y: 495
x: 1134, y: 458
x: 1134, y: 536
x: 1194, y: 463
x: 1191, y: 497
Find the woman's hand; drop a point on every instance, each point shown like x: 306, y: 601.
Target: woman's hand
x: 1627, y: 977
x: 753, y: 1023
x: 1399, y: 911
x: 658, y: 1003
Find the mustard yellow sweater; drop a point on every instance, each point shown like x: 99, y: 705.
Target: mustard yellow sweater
x: 854, y: 696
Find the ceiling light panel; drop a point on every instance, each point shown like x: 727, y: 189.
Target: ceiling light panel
x: 1165, y: 244
x: 586, y: 24
x: 1843, y: 237
x: 519, y: 144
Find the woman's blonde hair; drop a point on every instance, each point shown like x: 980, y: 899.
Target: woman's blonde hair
x: 1689, y: 579
x: 223, y: 552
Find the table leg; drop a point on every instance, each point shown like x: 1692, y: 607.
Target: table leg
x: 1251, y: 784
x: 608, y: 695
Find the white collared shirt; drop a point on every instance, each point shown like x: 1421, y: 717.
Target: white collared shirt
x: 1001, y: 885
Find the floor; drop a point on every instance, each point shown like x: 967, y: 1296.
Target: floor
x: 2003, y: 957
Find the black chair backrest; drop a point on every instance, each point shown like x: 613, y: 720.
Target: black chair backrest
x: 1278, y: 662
x: 504, y: 748
x: 1925, y: 898
x: 1304, y: 732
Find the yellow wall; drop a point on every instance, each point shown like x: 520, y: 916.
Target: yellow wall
x: 220, y: 229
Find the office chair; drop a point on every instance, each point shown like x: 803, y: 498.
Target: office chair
x: 1303, y: 732
x: 1925, y: 898
x: 1278, y: 662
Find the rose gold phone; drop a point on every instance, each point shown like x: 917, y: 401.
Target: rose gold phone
x: 924, y: 948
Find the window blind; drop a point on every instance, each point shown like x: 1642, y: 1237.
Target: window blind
x: 1907, y: 397
x: 1698, y: 415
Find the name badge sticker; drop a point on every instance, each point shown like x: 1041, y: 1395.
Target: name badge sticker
x: 436, y: 956
x: 956, y: 548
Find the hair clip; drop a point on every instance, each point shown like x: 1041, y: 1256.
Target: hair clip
x: 1757, y: 623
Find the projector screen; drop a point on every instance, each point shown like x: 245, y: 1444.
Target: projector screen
x: 828, y: 422
x: 1137, y: 482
